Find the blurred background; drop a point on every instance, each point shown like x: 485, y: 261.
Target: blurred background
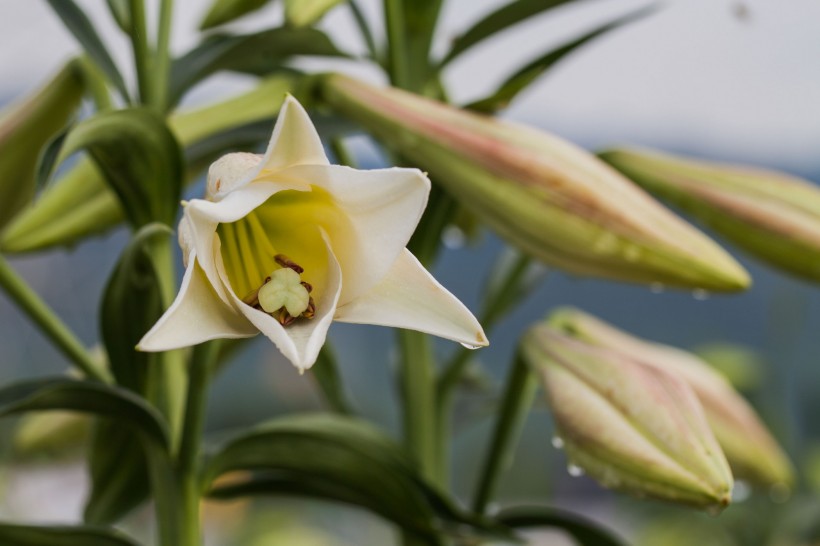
x: 719, y: 79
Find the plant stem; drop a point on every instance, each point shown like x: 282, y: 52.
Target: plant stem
x: 397, y: 61
x: 142, y: 54
x: 364, y: 30
x: 162, y: 64
x: 200, y: 369
x: 518, y: 396
x: 418, y: 389
x: 49, y: 323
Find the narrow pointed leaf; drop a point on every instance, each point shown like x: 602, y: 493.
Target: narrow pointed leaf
x: 61, y: 535
x: 26, y: 128
x: 303, y: 13
x: 48, y: 158
x: 525, y: 76
x: 501, y: 19
x: 121, y: 12
x: 225, y: 11
x: 259, y: 54
x: 138, y: 157
x: 83, y: 30
x: 584, y: 531
x: 342, y: 459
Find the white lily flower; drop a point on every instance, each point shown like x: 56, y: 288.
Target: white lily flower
x: 339, y: 232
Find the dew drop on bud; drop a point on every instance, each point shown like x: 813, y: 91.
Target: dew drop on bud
x: 471, y: 346
x: 740, y: 491
x: 557, y: 442
x: 656, y: 287
x: 453, y: 237
x: 575, y: 470
x: 700, y: 294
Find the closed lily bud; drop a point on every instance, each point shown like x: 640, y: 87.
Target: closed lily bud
x: 774, y: 216
x: 26, y: 128
x: 752, y: 452
x: 543, y: 194
x: 632, y: 427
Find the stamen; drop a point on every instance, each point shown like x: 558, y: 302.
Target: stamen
x: 284, y: 261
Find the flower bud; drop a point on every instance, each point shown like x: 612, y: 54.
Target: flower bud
x: 632, y: 427
x: 771, y: 215
x: 751, y: 451
x: 543, y: 194
x: 26, y: 128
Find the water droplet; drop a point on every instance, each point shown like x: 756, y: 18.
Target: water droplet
x: 557, y: 442
x: 605, y: 244
x: 575, y: 470
x: 700, y: 294
x: 453, y: 237
x: 471, y: 346
x: 632, y: 253
x: 741, y: 491
x: 779, y: 493
x: 714, y: 510
x: 656, y: 287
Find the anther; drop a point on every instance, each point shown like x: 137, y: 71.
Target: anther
x: 284, y: 261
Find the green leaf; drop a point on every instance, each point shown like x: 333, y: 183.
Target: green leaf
x: 48, y: 158
x: 303, y: 13
x: 121, y: 12
x: 225, y: 11
x: 584, y: 531
x: 138, y: 157
x: 519, y: 81
x: 326, y: 373
x: 504, y: 17
x: 343, y: 459
x: 26, y: 128
x: 86, y: 397
x: 78, y: 24
x: 60, y: 535
x: 259, y: 54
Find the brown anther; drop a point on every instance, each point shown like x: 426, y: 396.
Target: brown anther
x: 284, y: 317
x: 218, y: 184
x: 311, y: 309
x: 252, y: 298
x: 284, y: 261
x: 307, y: 286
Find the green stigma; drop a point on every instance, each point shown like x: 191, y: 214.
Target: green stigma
x: 284, y: 290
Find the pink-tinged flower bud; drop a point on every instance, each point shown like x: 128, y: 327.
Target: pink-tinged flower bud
x: 774, y: 216
x: 752, y: 452
x: 630, y: 426
x: 543, y: 194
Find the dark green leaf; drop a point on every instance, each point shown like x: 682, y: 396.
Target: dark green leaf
x: 121, y: 12
x: 48, y: 157
x: 131, y: 305
x: 500, y: 19
x: 303, y: 13
x: 86, y: 397
x: 225, y: 11
x: 364, y: 29
x: 343, y: 459
x: 259, y: 54
x: 76, y: 21
x: 25, y: 535
x: 519, y: 81
x: 118, y: 472
x: 247, y: 137
x: 326, y: 373
x: 584, y: 531
x: 138, y: 157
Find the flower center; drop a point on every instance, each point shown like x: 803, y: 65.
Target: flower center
x: 284, y: 295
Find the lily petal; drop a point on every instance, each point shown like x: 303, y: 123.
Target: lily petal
x: 301, y: 341
x: 300, y: 146
x: 197, y: 315
x: 409, y: 297
x: 383, y: 207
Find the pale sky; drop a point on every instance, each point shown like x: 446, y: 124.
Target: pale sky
x: 694, y: 75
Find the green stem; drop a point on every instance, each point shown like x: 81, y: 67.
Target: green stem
x: 364, y: 30
x: 201, y: 366
x: 49, y: 323
x: 162, y: 64
x: 518, y: 396
x: 417, y: 383
x: 142, y: 54
x: 326, y: 373
x: 397, y: 60
x: 341, y: 152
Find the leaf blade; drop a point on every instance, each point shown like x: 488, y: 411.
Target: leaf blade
x: 60, y: 535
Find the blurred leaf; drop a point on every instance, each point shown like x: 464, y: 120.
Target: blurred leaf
x: 54, y: 434
x: 303, y: 13
x: 259, y: 54
x: 326, y: 373
x: 26, y: 127
x: 513, y: 277
x: 504, y: 17
x: 584, y: 531
x: 419, y: 19
x: 48, y: 158
x: 246, y: 137
x: 86, y: 397
x: 61, y: 535
x: 139, y: 158
x: 121, y: 12
x: 131, y: 305
x: 338, y: 458
x: 521, y: 79
x: 83, y: 30
x: 118, y: 472
x: 225, y: 11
